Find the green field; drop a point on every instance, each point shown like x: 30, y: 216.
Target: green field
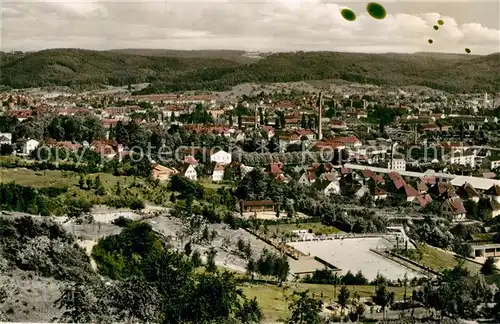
x: 130, y: 186
x: 56, y: 178
x: 439, y: 260
x: 271, y: 298
x: 317, y: 228
x: 208, y: 184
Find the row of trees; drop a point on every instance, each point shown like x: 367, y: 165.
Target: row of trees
x: 270, y: 264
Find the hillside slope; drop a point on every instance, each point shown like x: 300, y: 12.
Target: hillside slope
x: 450, y: 73
x: 230, y: 55
x: 74, y: 67
x: 193, y: 70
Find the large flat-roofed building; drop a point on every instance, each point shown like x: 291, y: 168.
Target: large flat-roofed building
x: 485, y: 251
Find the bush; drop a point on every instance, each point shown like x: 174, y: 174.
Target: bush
x: 137, y: 204
x: 122, y: 221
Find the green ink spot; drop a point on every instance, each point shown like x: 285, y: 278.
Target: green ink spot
x: 348, y: 14
x: 435, y: 27
x: 440, y: 22
x: 430, y: 41
x: 376, y: 10
x: 467, y: 50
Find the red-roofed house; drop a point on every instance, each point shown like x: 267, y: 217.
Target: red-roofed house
x: 428, y: 180
x: 309, y: 134
x: 269, y: 130
x: 162, y: 173
x: 106, y: 151
x: 20, y: 114
x: 397, y: 180
x: 423, y: 200
x: 282, y: 178
x: 377, y: 178
x: 218, y: 172
x: 287, y: 139
x: 327, y: 145
x: 307, y: 178
x: 285, y: 105
x: 189, y: 159
x: 361, y: 114
x: 108, y: 123
x: 338, y: 124
x: 275, y: 168
x: 348, y: 141
x: 409, y: 192
x: 454, y: 207
x: 422, y: 187
x: 367, y: 173
x: 119, y: 111
x: 494, y: 193
x: 467, y: 192
x: 431, y: 128
x: 72, y: 111
x: 378, y: 193
x: 68, y: 144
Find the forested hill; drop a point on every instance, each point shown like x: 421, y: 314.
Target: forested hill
x: 176, y: 72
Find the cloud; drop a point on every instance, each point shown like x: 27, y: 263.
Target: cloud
x: 232, y: 24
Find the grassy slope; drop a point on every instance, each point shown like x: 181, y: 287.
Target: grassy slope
x: 440, y: 260
x: 199, y: 69
x: 317, y: 228
x: 275, y: 306
x: 56, y: 178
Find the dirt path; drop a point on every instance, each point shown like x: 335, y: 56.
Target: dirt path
x: 88, y: 245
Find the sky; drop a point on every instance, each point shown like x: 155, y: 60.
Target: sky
x: 258, y: 25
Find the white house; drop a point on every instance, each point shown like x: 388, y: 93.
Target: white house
x: 188, y: 171
x: 327, y: 187
x: 218, y: 173
x: 221, y: 157
x: 244, y: 169
x: 27, y: 145
x: 397, y: 164
x: 465, y: 158
x: 5, y: 138
x: 490, y: 162
x: 307, y: 178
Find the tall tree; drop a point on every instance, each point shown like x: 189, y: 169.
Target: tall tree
x: 210, y: 266
x: 303, y: 123
x: 383, y: 298
x: 343, y: 298
x: 489, y: 266
x: 305, y: 309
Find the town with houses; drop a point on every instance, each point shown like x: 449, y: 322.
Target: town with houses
x: 343, y: 180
